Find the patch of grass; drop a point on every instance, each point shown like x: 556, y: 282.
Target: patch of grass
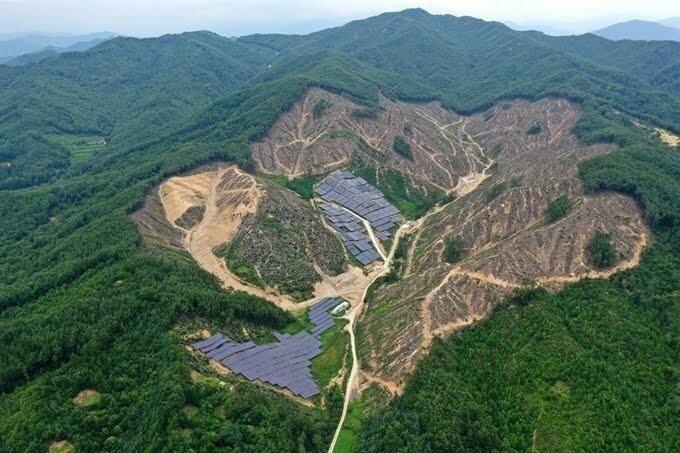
x: 366, y: 112
x: 87, y: 398
x: 600, y: 251
x: 401, y: 253
x: 498, y: 188
x: 402, y: 147
x: 334, y: 342
x: 247, y: 272
x: 372, y: 399
x: 82, y: 147
x: 321, y: 107
x: 302, y: 185
x: 557, y: 208
x: 243, y: 269
x: 391, y: 277
x: 495, y: 190
x: 534, y: 129
x: 496, y: 150
x: 342, y: 133
x: 381, y: 307
x: 454, y: 250
x: 349, y: 435
x: 301, y: 323
x: 412, y: 202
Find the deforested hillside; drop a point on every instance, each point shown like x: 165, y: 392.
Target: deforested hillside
x: 504, y: 236
x: 251, y: 233
x: 324, y: 132
x: 155, y: 193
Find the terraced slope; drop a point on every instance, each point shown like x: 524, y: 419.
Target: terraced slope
x: 324, y: 132
x: 507, y: 243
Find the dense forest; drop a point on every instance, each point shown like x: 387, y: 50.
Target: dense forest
x: 85, y: 303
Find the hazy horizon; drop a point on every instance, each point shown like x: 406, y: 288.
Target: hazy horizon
x: 231, y: 18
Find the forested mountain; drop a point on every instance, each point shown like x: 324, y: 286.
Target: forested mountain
x: 86, y: 303
x: 655, y: 63
x: 469, y: 63
x: 118, y: 90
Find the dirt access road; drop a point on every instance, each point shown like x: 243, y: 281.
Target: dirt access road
x: 353, y: 314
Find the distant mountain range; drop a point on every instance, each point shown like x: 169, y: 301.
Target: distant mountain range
x: 642, y: 30
x: 50, y: 51
x: 13, y: 45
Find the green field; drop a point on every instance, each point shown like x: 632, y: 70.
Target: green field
x: 334, y: 347
x: 349, y: 435
x: 82, y: 147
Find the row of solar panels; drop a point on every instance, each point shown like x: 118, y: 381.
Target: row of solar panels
x: 284, y: 363
x: 352, y: 233
x: 360, y: 197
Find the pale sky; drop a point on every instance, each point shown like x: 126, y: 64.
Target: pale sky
x: 234, y: 18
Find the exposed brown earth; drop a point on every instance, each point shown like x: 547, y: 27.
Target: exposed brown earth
x: 202, y: 212
x: 665, y: 136
x: 228, y: 195
x: 62, y: 446
x: 285, y: 243
x: 668, y: 138
x: 443, y: 154
x: 508, y: 243
x: 87, y: 397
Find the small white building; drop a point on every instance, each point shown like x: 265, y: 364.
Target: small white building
x: 340, y: 308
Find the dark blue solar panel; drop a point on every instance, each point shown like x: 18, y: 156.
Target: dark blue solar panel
x: 284, y: 363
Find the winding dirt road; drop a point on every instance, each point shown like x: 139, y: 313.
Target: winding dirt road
x: 353, y: 314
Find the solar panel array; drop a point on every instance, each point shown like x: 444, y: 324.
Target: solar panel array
x: 284, y: 363
x: 352, y: 232
x: 361, y: 198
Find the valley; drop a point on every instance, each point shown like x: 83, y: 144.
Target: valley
x: 498, y: 209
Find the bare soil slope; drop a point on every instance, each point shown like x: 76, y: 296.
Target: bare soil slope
x: 261, y: 227
x: 226, y: 196
x: 311, y: 139
x: 507, y: 241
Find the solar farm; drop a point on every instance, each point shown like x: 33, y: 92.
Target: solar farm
x: 349, y: 199
x: 284, y: 363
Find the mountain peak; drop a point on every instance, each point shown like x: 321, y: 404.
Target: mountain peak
x: 639, y: 30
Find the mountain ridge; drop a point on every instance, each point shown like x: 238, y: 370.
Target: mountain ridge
x: 639, y: 30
